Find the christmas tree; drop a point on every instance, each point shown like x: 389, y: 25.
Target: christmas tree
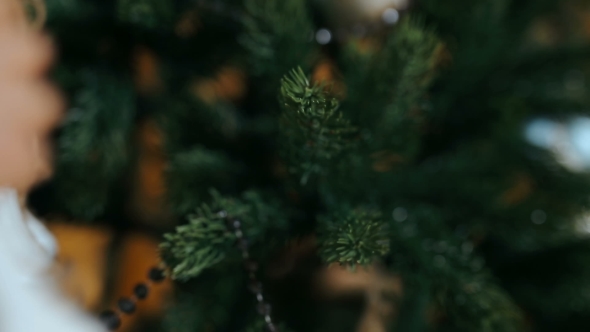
x: 283, y: 143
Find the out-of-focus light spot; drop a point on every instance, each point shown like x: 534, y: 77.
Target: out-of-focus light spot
x: 323, y: 36
x: 373, y: 8
x: 390, y: 16
x: 564, y: 142
x: 400, y: 4
x: 538, y: 217
x: 580, y: 136
x: 400, y: 214
x: 541, y: 132
x: 583, y: 224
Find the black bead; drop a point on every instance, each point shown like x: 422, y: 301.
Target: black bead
x: 156, y: 275
x: 236, y: 224
x: 110, y: 319
x: 141, y: 291
x: 126, y: 305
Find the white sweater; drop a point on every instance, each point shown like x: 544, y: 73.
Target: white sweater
x: 30, y: 299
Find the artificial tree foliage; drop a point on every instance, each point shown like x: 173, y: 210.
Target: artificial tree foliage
x: 410, y: 156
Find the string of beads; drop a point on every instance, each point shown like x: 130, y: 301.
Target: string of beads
x: 251, y: 267
x: 127, y: 306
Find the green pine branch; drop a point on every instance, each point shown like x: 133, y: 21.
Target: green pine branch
x: 414, y: 51
x: 190, y: 174
x: 278, y: 36
x: 187, y: 121
x: 207, y: 239
x: 198, y: 245
x: 483, y: 306
x: 93, y: 148
x: 358, y: 237
x: 425, y: 252
x: 315, y: 132
x: 145, y: 13
x: 204, y: 302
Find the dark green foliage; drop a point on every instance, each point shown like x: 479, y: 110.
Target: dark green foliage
x: 426, y: 136
x: 145, y: 13
x: 483, y: 307
x: 397, y: 107
x: 206, y: 301
x: 216, y: 122
x: 93, y: 148
x: 58, y: 10
x: 260, y: 326
x: 410, y: 56
x: 181, y: 316
x: 208, y: 237
x: 278, y: 36
x: 198, y: 245
x: 444, y: 265
x: 358, y: 237
x: 193, y: 172
x: 315, y: 131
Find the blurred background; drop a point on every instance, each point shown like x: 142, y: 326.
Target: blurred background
x: 115, y: 55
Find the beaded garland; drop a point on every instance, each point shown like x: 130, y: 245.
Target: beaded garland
x: 127, y: 306
x: 251, y: 266
x: 112, y: 318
